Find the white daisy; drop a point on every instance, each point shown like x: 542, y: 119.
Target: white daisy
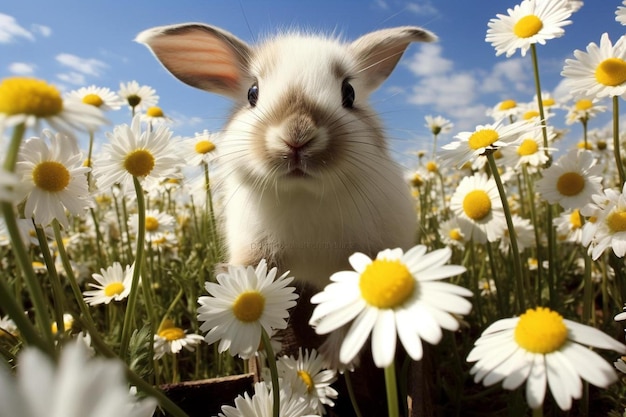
x: 29, y: 100
x: 138, y: 97
x: 68, y: 322
x: 147, y: 155
x: 575, y: 5
x: 571, y: 180
x: 155, y: 115
x: 620, y: 13
x: 543, y: 349
x: 307, y: 376
x: 240, y: 303
x: 438, y: 124
x: 79, y: 386
x: 100, y: 97
x: 53, y: 179
x: 505, y: 110
x: 478, y: 207
x: 569, y: 226
x: 471, y: 145
x: 607, y: 226
x: 583, y: 110
x: 524, y: 232
x: 170, y: 339
x: 114, y: 284
x: 397, y: 295
x: 261, y: 404
x: 8, y: 327
x: 599, y: 72
x: 450, y: 233
x: 158, y: 224
x: 528, y: 150
x: 530, y: 22
x: 199, y: 149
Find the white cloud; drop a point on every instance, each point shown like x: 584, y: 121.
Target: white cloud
x: 21, y: 68
x: 88, y: 66
x: 74, y: 78
x: 42, y: 30
x: 428, y: 61
x: 423, y: 8
x: 445, y: 92
x: 10, y: 30
x: 508, y: 75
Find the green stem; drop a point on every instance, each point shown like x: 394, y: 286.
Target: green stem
x: 139, y: 257
x: 393, y: 409
x: 517, y: 263
x: 544, y: 128
x: 351, y: 394
x: 538, y: 412
x: 271, y: 361
x: 616, y: 144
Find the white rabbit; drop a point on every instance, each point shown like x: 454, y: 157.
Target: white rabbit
x: 305, y: 170
x: 307, y: 175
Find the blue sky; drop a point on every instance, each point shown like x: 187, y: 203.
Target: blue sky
x: 79, y: 43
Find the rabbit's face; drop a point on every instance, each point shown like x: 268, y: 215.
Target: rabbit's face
x: 304, y: 116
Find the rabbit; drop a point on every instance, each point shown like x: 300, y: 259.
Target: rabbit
x: 306, y: 173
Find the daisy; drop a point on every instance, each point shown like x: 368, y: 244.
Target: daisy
x: 100, y: 97
x: 583, y: 110
x: 29, y: 100
x: 158, y: 224
x: 261, y: 404
x: 528, y: 150
x: 307, y: 376
x: 506, y: 109
x: 524, y: 232
x: 8, y: 327
x: 146, y: 155
x: 438, y: 124
x: 79, y: 386
x: 113, y: 285
x: 397, y: 295
x: 571, y: 180
x: 530, y: 22
x: 450, y: 233
x: 243, y: 301
x: 599, y: 72
x: 68, y: 322
x: 620, y: 13
x: 471, y: 145
x: 607, y: 227
x: 478, y: 207
x: 155, y: 114
x: 171, y: 339
x: 138, y: 97
x: 487, y: 287
x: 569, y: 226
x: 53, y: 179
x: 199, y: 149
x: 543, y: 349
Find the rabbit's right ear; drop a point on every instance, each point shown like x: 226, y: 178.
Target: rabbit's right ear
x: 202, y: 56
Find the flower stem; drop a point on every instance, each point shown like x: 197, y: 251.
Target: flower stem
x: 616, y: 144
x: 271, y: 361
x: 517, y: 263
x: 139, y: 256
x: 392, y: 391
x: 544, y: 128
x: 353, y: 401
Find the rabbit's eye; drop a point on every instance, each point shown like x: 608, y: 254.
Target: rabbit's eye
x: 347, y: 95
x: 253, y: 94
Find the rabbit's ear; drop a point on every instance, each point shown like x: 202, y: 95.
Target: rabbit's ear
x: 377, y: 53
x: 202, y: 56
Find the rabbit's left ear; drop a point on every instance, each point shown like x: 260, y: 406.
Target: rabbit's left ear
x: 377, y: 53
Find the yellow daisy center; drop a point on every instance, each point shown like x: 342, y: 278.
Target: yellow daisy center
x: 548, y: 102
x: 306, y: 378
x: 527, y: 147
x: 249, y: 306
x: 531, y: 114
x: 386, y: 284
x: 417, y: 181
x: 482, y: 138
x: 133, y: 100
x: 113, y: 289
x: 570, y: 183
x: 583, y: 104
x: 93, y: 100
x: 507, y: 105
x: 575, y: 219
x: 139, y: 162
x: 51, y: 176
x: 601, y: 144
x: 541, y: 331
x: 611, y: 72
x: 617, y: 221
x: 477, y: 204
x: 152, y: 223
x: 455, y: 234
x: 155, y: 112
x: 527, y: 26
x: 172, y: 333
x: 204, y: 146
x: 582, y: 145
x: 20, y: 95
x: 431, y: 166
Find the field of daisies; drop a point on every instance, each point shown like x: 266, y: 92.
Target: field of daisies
x: 515, y: 287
